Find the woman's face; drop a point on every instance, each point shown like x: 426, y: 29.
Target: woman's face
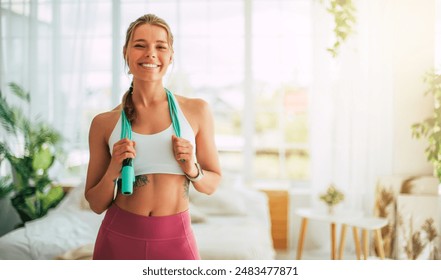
x: 149, y: 53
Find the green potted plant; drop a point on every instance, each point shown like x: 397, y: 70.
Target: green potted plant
x: 430, y: 128
x: 29, y: 147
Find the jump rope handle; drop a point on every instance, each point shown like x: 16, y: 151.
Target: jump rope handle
x: 127, y: 171
x: 128, y: 177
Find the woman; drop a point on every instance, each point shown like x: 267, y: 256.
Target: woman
x: 153, y: 222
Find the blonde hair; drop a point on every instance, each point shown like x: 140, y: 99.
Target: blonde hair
x: 127, y: 102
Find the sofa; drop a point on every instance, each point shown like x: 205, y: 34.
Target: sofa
x: 231, y: 224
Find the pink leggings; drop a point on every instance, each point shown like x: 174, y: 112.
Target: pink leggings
x: 127, y: 236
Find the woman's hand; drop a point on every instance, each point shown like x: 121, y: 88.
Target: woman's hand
x: 184, y: 155
x: 122, y: 149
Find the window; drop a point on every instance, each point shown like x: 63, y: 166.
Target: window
x: 212, y: 64
x: 282, y: 59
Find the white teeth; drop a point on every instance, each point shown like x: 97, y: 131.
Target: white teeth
x: 149, y: 65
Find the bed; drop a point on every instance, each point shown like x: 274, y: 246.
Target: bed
x: 232, y: 224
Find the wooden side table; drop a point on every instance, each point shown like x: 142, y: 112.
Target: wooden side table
x: 278, y: 206
x: 333, y: 219
x: 365, y: 224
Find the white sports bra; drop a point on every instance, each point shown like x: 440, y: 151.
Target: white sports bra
x: 154, y: 152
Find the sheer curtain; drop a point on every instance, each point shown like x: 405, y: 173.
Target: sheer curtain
x: 49, y: 48
x: 59, y: 51
x: 357, y: 104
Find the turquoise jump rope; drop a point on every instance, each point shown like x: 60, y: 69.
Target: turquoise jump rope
x: 127, y: 171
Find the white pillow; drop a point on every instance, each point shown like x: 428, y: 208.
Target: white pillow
x: 197, y: 216
x: 225, y: 201
x: 423, y: 185
x: 78, y: 196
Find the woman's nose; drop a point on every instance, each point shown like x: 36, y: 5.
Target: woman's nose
x: 151, y: 53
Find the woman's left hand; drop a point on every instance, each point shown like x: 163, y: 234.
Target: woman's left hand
x: 183, y: 151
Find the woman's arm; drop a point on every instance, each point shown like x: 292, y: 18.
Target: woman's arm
x: 103, y: 168
x: 206, y: 151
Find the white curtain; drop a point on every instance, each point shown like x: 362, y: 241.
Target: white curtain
x: 49, y: 48
x: 354, y: 102
x: 46, y: 48
x: 59, y: 51
x: 364, y: 101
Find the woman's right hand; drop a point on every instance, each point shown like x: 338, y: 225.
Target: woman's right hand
x: 122, y: 149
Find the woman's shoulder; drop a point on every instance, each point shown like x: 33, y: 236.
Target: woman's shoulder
x: 103, y: 118
x: 192, y: 105
x: 196, y: 110
x: 106, y: 121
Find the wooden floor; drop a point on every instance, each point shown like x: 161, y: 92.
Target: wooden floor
x: 310, y: 255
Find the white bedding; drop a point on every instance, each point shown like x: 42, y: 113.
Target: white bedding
x: 63, y: 228
x: 237, y: 234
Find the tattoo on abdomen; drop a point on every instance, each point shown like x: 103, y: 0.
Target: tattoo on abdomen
x: 141, y: 180
x: 186, y: 187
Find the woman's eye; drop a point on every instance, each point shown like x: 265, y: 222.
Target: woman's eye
x: 139, y: 46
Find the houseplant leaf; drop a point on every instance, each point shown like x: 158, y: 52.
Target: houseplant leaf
x: 52, y: 197
x: 430, y: 128
x: 5, y: 186
x: 20, y: 92
x: 26, y: 204
x: 43, y: 159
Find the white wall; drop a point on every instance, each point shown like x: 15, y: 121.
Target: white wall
x: 413, y: 42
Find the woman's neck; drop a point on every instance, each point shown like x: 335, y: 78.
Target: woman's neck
x: 147, y: 93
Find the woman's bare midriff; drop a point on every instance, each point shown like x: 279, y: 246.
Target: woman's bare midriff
x: 159, y: 195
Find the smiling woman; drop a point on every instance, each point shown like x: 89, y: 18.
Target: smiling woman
x: 148, y: 52
x: 151, y: 220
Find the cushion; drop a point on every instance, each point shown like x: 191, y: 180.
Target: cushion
x: 226, y: 200
x: 197, y: 216
x: 421, y: 185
